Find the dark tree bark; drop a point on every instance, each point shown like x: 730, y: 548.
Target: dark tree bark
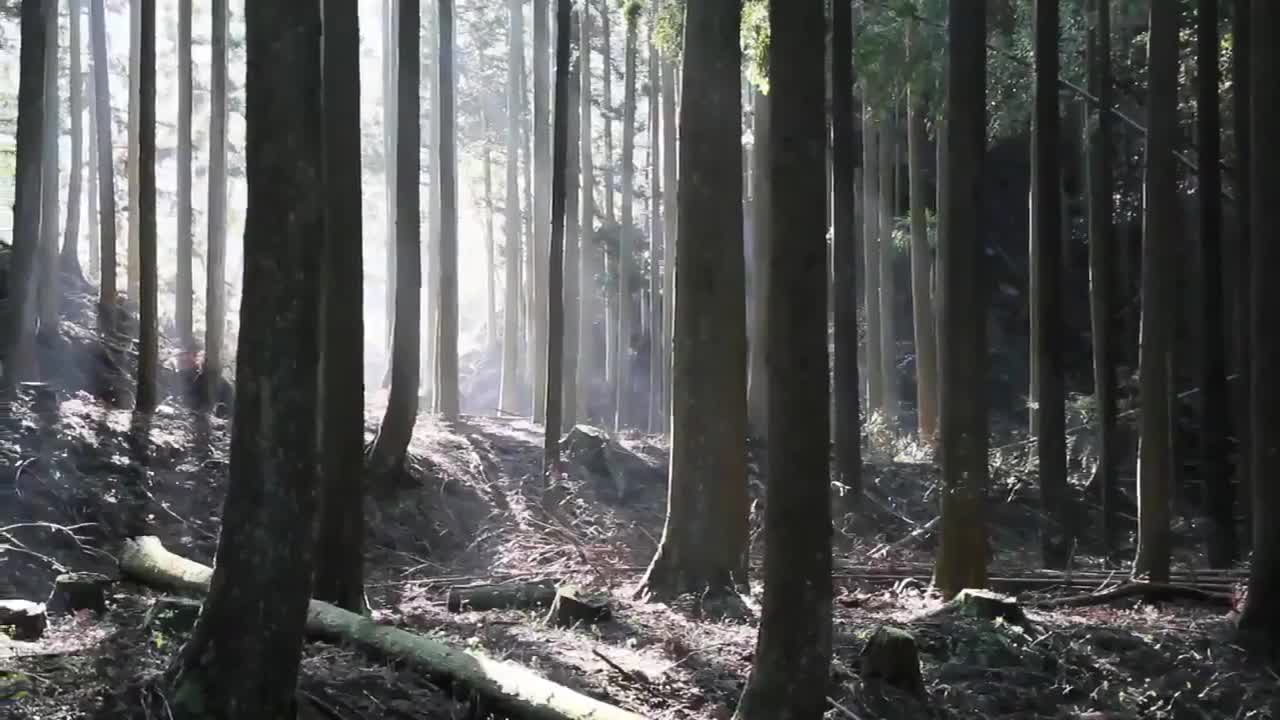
x: 48, y: 292
x: 793, y: 653
x: 242, y: 659
x: 1056, y: 531
x: 607, y: 111
x: 1240, y: 90
x: 553, y: 403
x: 509, y: 395
x: 573, y: 244
x: 105, y: 169
x: 1155, y: 466
x: 670, y: 176
x: 216, y: 285
x: 148, y: 286
x: 390, y: 25
x: 339, y: 575
x: 1102, y: 294
x: 447, y: 178
x: 844, y: 161
x: 1215, y: 412
x: 658, y: 402
x: 761, y: 209
x: 69, y: 260
x: 386, y: 457
x: 183, y: 291
x: 542, y: 219
x: 626, y: 255
x: 91, y: 170
x: 20, y: 332
x: 871, y: 138
x: 1259, y: 621
x: 132, y: 258
x: 963, y: 554
x: 588, y: 363
x: 704, y: 541
x: 925, y: 332
x: 886, y: 293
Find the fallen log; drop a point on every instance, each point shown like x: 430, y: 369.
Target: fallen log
x: 511, y: 596
x: 506, y: 688
x: 1150, y: 591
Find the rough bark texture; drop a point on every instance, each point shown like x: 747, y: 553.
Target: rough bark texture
x: 871, y: 262
x: 670, y: 217
x: 962, y: 553
x: 447, y: 179
x: 553, y: 403
x: 1241, y: 88
x: 588, y: 360
x: 761, y: 209
x: 184, y: 294
x: 148, y: 277
x: 339, y: 576
x: 573, y: 245
x: 1259, y: 618
x: 48, y: 292
x: 106, y: 168
x: 69, y: 260
x: 542, y: 217
x: 216, y: 270
x: 242, y: 659
x: 844, y: 160
x: 793, y: 654
x: 1046, y: 298
x: 509, y: 395
x: 1102, y: 294
x: 887, y: 291
x: 386, y: 458
x: 926, y: 336
x: 704, y: 541
x: 1159, y: 243
x: 626, y: 254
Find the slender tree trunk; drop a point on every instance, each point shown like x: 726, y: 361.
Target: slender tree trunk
x: 216, y: 284
x: 573, y: 245
x: 888, y: 288
x: 339, y: 575
x: 49, y: 292
x: 761, y: 207
x: 185, y: 294
x: 657, y: 350
x: 242, y: 659
x: 871, y: 138
x: 429, y: 378
x: 554, y: 400
x: 844, y: 160
x: 532, y: 351
x: 390, y: 12
x: 588, y: 362
x: 69, y: 262
x: 962, y: 554
x: 1259, y: 617
x: 386, y: 458
x: 1056, y: 531
x: 91, y: 170
x: 793, y: 653
x: 510, y: 392
x: 1241, y: 84
x: 133, y: 266
x: 542, y: 219
x: 148, y: 316
x: 105, y: 169
x: 921, y: 267
x: 607, y: 111
x: 704, y: 541
x: 669, y: 231
x: 491, y: 259
x: 1102, y: 294
x: 447, y: 358
x: 1158, y: 248
x: 626, y: 255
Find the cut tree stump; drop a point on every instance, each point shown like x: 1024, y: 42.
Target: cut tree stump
x: 511, y: 596
x: 603, y: 457
x: 23, y: 619
x: 568, y: 609
x: 508, y: 689
x: 79, y: 591
x: 171, y: 614
x: 892, y: 658
x: 984, y: 605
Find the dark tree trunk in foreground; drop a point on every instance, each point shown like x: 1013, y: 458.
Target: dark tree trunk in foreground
x: 69, y: 260
x: 670, y: 220
x: 541, y: 209
x: 48, y: 291
x: 1046, y: 236
x: 573, y: 244
x: 184, y: 295
x: 242, y: 659
x: 148, y: 286
x: 339, y: 575
x: 1260, y: 620
x: 962, y: 554
x: 216, y: 285
x: 1102, y: 294
x: 105, y: 167
x: 761, y: 209
x: 704, y: 541
x: 1241, y: 88
x: 848, y: 435
x: 1155, y: 465
x: 554, y: 401
x: 588, y: 364
x: 790, y: 675
x: 386, y: 458
x: 20, y: 333
x: 1215, y: 402
x: 447, y: 178
x: 509, y: 394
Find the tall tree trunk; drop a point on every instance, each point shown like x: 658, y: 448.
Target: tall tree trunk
x: 133, y: 266
x: 588, y: 360
x: 386, y: 458
x: 430, y: 377
x: 962, y: 554
x: 554, y: 399
x: 148, y: 286
x: 1215, y: 410
x: 926, y: 336
x: 1241, y: 84
x: 242, y: 659
x: 542, y: 172
x: 447, y: 349
x: 339, y: 577
x: 105, y: 169
x: 91, y: 171
x: 1056, y: 531
x: 762, y: 209
x: 669, y: 231
x: 624, y: 382
x: 69, y: 262
x: 871, y: 138
x: 20, y: 332
x: 704, y: 541
x: 793, y: 653
x: 491, y: 259
x: 1158, y: 248
x: 216, y: 283
x: 49, y: 292
x: 183, y: 290
x: 1102, y: 294
x: 607, y: 111
x: 532, y: 351
x: 657, y: 351
x: 573, y: 245
x: 888, y: 288
x: 844, y: 161
x: 1259, y: 616
x: 509, y: 395
x: 390, y: 24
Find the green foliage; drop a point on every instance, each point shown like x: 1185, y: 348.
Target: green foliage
x: 668, y: 31
x: 755, y: 43
x: 631, y: 10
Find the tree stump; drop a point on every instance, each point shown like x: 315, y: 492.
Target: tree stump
x: 598, y: 454
x: 985, y: 605
x: 891, y: 658
x: 172, y: 614
x: 515, y: 596
x: 79, y: 591
x: 23, y: 619
x: 568, y: 609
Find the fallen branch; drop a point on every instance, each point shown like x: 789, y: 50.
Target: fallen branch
x: 509, y: 688
x: 1150, y: 591
x: 919, y: 532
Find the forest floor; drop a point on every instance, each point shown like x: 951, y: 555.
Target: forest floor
x: 470, y: 509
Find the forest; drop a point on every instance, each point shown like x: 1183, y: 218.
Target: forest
x: 626, y: 359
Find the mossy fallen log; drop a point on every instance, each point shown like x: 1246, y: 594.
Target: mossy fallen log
x: 512, y: 596
x: 506, y: 688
